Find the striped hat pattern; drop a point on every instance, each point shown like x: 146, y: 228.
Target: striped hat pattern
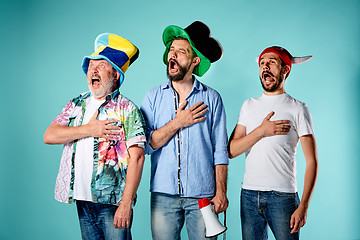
x: 116, y: 50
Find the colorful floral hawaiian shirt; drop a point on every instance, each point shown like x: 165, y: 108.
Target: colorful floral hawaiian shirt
x: 111, y: 158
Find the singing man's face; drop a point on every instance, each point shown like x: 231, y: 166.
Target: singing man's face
x: 101, y: 78
x: 272, y: 72
x: 180, y: 58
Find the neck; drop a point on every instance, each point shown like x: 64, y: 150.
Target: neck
x: 104, y: 96
x: 183, y: 87
x: 275, y: 93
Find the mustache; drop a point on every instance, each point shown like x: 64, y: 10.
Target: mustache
x: 95, y: 75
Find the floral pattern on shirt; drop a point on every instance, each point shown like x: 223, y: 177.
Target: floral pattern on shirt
x: 111, y: 158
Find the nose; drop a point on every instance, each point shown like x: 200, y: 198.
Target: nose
x: 266, y: 66
x: 173, y: 54
x: 93, y: 69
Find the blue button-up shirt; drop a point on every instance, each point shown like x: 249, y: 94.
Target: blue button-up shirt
x: 202, y: 145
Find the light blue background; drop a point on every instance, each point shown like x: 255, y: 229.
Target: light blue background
x: 42, y: 46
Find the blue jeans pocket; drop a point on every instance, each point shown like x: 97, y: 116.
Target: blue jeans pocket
x: 284, y: 194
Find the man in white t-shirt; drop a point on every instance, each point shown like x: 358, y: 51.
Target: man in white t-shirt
x: 104, y: 137
x: 268, y: 131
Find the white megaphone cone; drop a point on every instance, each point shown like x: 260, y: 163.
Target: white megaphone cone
x: 212, y: 224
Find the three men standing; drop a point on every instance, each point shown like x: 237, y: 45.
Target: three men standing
x: 104, y: 139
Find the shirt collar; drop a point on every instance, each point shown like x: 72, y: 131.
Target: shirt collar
x: 111, y: 96
x: 197, y: 85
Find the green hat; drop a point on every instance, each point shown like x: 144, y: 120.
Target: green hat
x: 206, y: 48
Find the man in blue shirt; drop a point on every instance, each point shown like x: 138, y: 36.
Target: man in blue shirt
x: 186, y: 133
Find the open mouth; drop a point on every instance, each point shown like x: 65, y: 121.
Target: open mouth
x: 173, y: 65
x: 95, y: 80
x: 268, y: 77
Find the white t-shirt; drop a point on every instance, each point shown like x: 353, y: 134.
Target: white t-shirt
x: 84, y: 157
x: 270, y: 164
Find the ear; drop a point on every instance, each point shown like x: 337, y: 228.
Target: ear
x: 116, y: 76
x: 286, y: 70
x: 196, y: 61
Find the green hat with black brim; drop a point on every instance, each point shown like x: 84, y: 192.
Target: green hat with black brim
x: 208, y: 49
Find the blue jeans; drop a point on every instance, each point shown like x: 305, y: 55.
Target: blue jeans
x: 261, y: 209
x: 97, y: 222
x: 168, y: 214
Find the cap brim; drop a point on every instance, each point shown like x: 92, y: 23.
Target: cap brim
x: 85, y: 65
x: 169, y: 34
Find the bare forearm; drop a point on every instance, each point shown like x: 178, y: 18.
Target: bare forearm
x: 311, y: 173
x: 57, y: 134
x: 133, y: 176
x: 162, y: 135
x: 221, y: 172
x: 309, y: 148
x: 242, y: 144
x: 220, y: 200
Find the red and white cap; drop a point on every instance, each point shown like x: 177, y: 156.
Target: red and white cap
x: 284, y: 55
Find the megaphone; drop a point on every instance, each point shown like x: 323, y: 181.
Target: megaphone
x: 212, y: 224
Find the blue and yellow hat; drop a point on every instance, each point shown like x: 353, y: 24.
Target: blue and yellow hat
x: 118, y: 51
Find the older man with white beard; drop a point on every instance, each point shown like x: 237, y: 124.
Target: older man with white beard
x: 104, y: 137
x: 268, y: 130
